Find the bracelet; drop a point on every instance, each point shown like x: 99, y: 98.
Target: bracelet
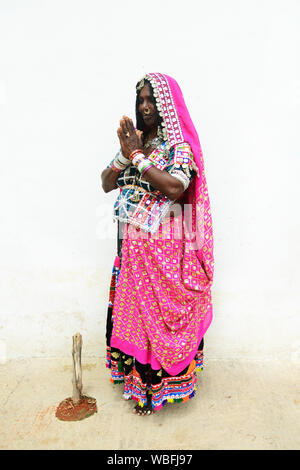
x: 122, y: 159
x: 146, y: 168
x: 114, y: 168
x: 180, y: 176
x: 143, y: 165
x: 131, y: 156
x: 138, y: 158
x: 118, y: 165
x: 120, y: 162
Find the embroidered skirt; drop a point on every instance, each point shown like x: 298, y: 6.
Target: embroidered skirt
x: 140, y: 381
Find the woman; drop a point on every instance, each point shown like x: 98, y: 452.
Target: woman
x: 160, y: 301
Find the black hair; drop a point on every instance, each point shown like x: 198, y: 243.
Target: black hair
x: 140, y: 125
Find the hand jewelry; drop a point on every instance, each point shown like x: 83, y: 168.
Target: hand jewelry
x: 132, y: 155
x: 145, y: 166
x: 140, y: 161
x: 120, y: 163
x: 114, y: 168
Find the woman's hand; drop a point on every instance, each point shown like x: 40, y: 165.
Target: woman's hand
x: 130, y: 139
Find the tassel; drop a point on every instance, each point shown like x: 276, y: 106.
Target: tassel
x: 116, y: 381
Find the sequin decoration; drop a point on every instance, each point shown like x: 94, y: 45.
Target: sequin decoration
x: 162, y: 304
x: 152, y: 206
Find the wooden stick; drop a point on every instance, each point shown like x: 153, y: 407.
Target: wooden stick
x: 77, y: 371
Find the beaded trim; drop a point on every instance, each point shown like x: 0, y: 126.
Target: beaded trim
x: 175, y: 389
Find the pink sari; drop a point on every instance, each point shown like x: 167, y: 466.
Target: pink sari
x: 162, y: 305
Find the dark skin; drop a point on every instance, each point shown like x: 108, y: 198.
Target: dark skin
x: 160, y: 180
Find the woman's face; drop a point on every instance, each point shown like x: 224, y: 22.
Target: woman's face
x: 147, y: 107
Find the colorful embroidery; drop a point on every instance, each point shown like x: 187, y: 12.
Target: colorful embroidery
x: 165, y: 389
x: 168, y: 389
x: 162, y: 305
x: 199, y: 360
x: 149, y: 211
x: 146, y: 214
x: 159, y: 157
x: 183, y: 157
x: 169, y: 98
x: 161, y: 300
x: 182, y: 154
x: 114, y: 280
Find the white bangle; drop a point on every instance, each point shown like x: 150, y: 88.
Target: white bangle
x: 182, y: 178
x: 120, y: 161
x: 119, y: 165
x: 123, y: 159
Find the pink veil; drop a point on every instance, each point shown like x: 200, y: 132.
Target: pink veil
x: 177, y: 128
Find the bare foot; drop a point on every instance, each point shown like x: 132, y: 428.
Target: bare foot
x: 144, y: 410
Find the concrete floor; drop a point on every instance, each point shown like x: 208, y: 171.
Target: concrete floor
x: 237, y: 406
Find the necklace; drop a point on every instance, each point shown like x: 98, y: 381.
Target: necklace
x: 153, y: 142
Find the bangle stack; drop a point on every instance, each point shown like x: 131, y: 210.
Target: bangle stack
x: 144, y: 166
x: 120, y: 163
x: 134, y: 153
x: 114, y: 168
x: 139, y: 160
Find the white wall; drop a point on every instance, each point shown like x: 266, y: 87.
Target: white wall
x: 68, y: 71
